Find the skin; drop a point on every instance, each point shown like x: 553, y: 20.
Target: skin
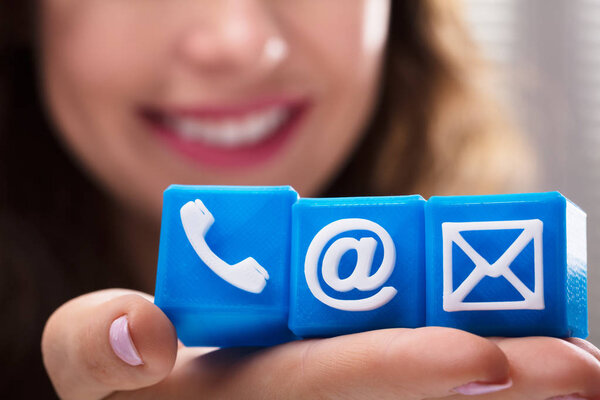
x: 190, y: 52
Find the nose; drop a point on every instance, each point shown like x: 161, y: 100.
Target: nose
x: 233, y: 36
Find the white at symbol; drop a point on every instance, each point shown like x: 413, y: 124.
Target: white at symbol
x: 361, y: 277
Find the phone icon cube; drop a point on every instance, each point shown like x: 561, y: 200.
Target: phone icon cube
x: 223, y: 264
x: 357, y: 264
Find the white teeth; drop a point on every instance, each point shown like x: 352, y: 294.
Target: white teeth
x: 230, y: 132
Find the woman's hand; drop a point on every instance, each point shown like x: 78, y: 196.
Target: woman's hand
x: 395, y: 363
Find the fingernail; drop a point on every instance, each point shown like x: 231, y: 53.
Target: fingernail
x: 121, y: 343
x: 568, y: 397
x: 475, y: 388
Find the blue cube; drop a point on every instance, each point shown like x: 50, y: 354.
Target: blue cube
x: 223, y: 267
x: 357, y: 264
x: 507, y: 265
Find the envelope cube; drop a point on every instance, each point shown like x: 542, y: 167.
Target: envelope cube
x: 357, y: 264
x: 507, y: 265
x: 223, y: 268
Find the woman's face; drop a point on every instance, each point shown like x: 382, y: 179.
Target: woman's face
x: 229, y: 92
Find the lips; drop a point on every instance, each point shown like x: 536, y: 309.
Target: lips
x: 238, y: 135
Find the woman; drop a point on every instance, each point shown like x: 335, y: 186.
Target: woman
x: 316, y: 94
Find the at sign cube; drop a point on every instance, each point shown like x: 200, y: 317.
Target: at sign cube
x: 357, y: 264
x: 507, y: 265
x: 223, y: 267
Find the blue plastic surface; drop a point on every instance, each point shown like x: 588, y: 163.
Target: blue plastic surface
x: 223, y: 280
x: 256, y: 266
x: 507, y: 265
x: 357, y: 264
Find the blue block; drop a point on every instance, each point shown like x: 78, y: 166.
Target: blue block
x: 357, y: 264
x: 223, y: 268
x: 507, y: 265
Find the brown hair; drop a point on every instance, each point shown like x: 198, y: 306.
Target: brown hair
x: 435, y: 131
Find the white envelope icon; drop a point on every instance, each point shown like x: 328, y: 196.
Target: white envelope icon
x: 453, y: 300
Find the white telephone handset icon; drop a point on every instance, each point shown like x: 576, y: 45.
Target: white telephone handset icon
x: 247, y: 275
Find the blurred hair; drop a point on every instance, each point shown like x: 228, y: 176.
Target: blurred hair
x: 438, y: 129
x: 435, y: 130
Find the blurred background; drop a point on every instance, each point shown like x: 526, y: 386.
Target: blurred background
x: 548, y: 56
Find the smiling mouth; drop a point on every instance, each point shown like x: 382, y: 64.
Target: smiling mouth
x: 230, y: 132
x: 228, y: 136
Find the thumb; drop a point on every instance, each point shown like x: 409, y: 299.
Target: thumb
x: 106, y: 341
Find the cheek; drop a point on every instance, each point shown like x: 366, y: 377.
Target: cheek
x: 91, y: 77
x: 342, y: 44
x: 347, y: 36
x: 345, y: 71
x: 105, y: 48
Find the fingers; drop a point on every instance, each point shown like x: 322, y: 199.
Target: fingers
x: 543, y: 368
x: 408, y: 364
x: 106, y: 341
x: 585, y: 345
x: 395, y: 364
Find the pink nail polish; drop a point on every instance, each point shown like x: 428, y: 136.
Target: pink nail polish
x: 568, y: 397
x: 121, y: 343
x: 475, y: 388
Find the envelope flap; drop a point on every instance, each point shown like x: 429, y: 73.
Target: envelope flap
x: 491, y: 244
x: 521, y: 266
x: 493, y: 288
x: 459, y: 257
